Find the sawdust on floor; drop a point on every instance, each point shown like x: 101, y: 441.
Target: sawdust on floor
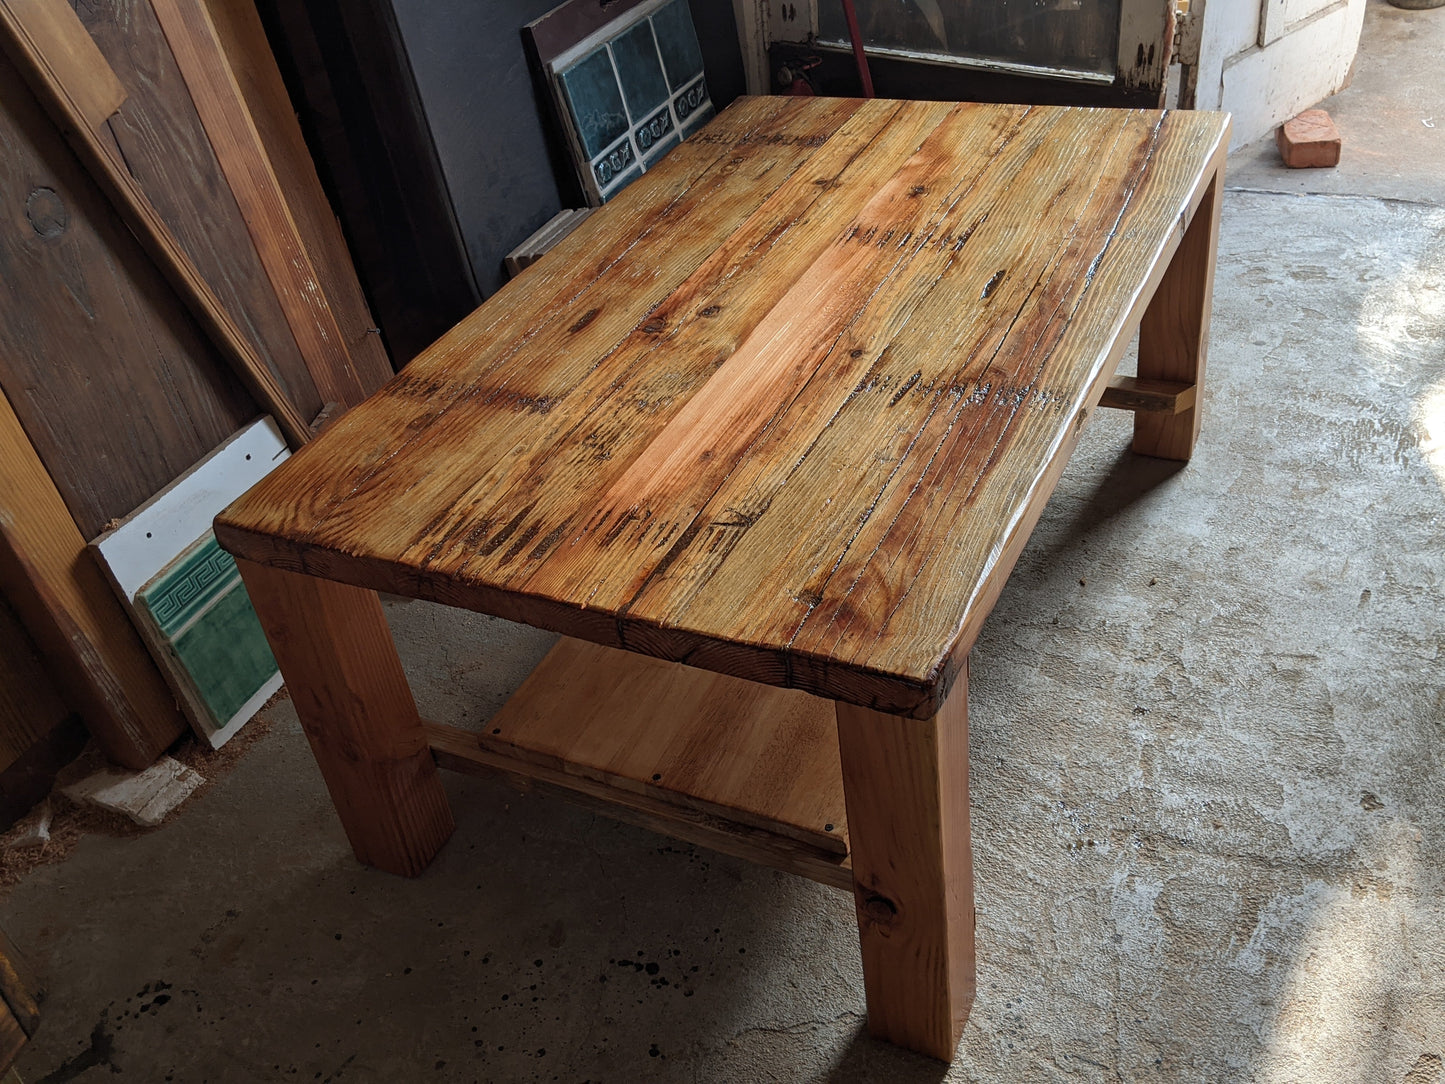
x: 21, y: 853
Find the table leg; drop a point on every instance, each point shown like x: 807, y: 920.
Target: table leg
x: 1174, y: 334
x: 341, y: 668
x: 905, y: 784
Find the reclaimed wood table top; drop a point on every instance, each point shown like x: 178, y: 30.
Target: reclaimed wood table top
x: 781, y: 409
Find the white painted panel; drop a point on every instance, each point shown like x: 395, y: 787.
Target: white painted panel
x: 1296, y: 11
x: 159, y: 530
x: 1230, y: 27
x: 172, y: 521
x: 1265, y: 87
x: 1272, y: 20
x: 791, y: 20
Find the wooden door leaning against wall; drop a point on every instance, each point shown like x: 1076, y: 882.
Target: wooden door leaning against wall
x: 112, y: 380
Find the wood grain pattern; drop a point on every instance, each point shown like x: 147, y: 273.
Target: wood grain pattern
x: 160, y: 141
x: 243, y: 39
x: 90, y: 324
x: 340, y: 665
x: 782, y: 408
x: 458, y: 750
x: 1174, y: 334
x: 30, y: 704
x: 54, y: 585
x: 58, y: 34
x: 750, y: 753
x: 263, y: 204
x: 907, y: 787
x: 18, y: 987
x: 107, y: 169
x: 1166, y: 396
x: 12, y: 1037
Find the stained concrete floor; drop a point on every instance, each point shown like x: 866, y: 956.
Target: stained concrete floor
x: 1208, y: 788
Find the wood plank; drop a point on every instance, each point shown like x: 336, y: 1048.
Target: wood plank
x: 1174, y: 334
x: 807, y: 445
x: 934, y: 428
x: 459, y: 750
x: 341, y: 668
x: 572, y: 311
x: 12, y: 1037
x: 264, y: 207
x: 90, y: 323
x: 734, y: 749
x: 149, y: 228
x: 158, y: 138
x: 907, y: 787
x: 18, y: 987
x: 58, y: 34
x: 243, y: 39
x: 1159, y: 396
x: 49, y: 577
x: 30, y: 704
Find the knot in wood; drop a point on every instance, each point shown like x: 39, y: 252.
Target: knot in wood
x: 880, y: 910
x: 46, y: 212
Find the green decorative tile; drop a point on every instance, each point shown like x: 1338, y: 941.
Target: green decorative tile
x: 226, y: 655
x: 634, y: 96
x: 693, y: 107
x: 202, y: 611
x: 184, y: 587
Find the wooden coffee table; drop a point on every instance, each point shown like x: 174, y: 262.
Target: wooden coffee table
x: 763, y: 439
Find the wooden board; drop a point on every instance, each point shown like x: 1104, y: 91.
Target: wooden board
x: 12, y: 1037
x: 264, y: 209
x: 89, y: 326
x: 58, y: 33
x: 57, y: 590
x: 18, y: 988
x: 160, y: 140
x: 745, y: 752
x: 30, y: 704
x: 248, y: 53
x: 458, y: 750
x: 1153, y: 396
x: 782, y: 408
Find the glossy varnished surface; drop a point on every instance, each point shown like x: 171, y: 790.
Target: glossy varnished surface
x: 780, y: 408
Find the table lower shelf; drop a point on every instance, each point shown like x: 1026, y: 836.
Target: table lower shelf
x: 745, y: 769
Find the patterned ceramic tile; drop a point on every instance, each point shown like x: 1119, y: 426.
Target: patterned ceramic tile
x: 205, y: 617
x: 693, y: 107
x: 610, y: 166
x: 635, y: 95
x: 590, y: 86
x: 652, y: 135
x: 639, y: 68
x: 677, y: 42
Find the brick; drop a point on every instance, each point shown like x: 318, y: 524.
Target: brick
x: 1310, y: 140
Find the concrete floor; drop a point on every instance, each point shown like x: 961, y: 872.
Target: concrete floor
x: 1208, y: 788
